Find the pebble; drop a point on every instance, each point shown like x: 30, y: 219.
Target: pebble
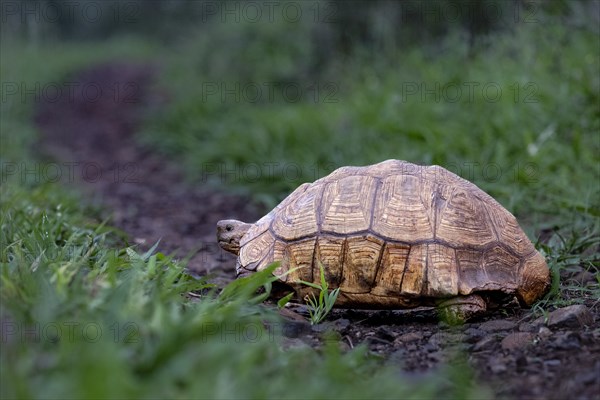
x: 410, y: 337
x: 436, y: 357
x: 385, y: 333
x: 528, y: 327
x: 498, y: 367
x: 474, y: 334
x: 294, y: 329
x: 544, y: 333
x: 288, y: 343
x: 341, y: 324
x: 485, y: 344
x: 398, y: 356
x: 516, y: 340
x: 575, y: 316
x: 521, y: 363
x: 430, y: 348
x: 552, y: 363
x: 441, y: 338
x: 322, y: 327
x: 497, y: 325
x: 567, y: 341
x: 584, y: 277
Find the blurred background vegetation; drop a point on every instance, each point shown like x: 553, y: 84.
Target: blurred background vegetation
x: 266, y: 96
x: 262, y: 96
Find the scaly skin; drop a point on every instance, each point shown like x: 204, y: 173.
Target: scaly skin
x: 230, y: 233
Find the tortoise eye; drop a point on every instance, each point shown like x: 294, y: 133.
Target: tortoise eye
x: 228, y: 228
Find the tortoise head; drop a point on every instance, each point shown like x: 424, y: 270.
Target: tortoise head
x: 230, y: 233
x: 534, y: 279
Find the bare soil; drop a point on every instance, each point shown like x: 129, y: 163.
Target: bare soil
x: 513, y: 351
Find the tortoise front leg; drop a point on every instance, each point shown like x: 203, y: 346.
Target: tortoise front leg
x: 459, y: 309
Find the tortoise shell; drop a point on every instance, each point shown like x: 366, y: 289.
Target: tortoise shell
x: 394, y: 234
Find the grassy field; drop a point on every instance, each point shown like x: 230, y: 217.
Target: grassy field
x: 518, y: 115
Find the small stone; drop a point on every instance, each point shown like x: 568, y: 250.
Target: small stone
x: 442, y: 338
x: 521, y: 363
x: 587, y: 378
x: 426, y: 334
x: 344, y: 346
x: 435, y: 356
x: 291, y: 315
x: 294, y: 329
x: 385, y: 333
x: 474, y: 334
x: 398, y: 356
x: 567, y: 341
x: 410, y: 337
x: 544, y: 333
x: 575, y: 316
x: 341, y: 324
x: 485, y: 344
x: 322, y: 327
x: 411, y: 347
x: 498, y: 367
x: 376, y: 341
x: 584, y: 277
x: 552, y: 363
x: 538, y: 322
x: 516, y: 340
x: 497, y: 325
x: 527, y: 327
x: 288, y: 343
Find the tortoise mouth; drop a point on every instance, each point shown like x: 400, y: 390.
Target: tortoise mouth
x: 231, y: 245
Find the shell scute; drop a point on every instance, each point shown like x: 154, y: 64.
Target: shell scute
x: 400, y: 212
x: 346, y: 204
x: 464, y: 221
x: 297, y: 217
x: 361, y: 257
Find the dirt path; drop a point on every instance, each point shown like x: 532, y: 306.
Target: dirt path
x: 145, y: 192
x: 520, y: 357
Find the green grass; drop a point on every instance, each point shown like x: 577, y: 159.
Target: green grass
x: 318, y: 308
x: 86, y: 316
x: 569, y: 255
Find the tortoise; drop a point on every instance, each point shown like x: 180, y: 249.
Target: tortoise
x: 394, y: 235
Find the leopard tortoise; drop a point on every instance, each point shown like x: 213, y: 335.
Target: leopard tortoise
x: 394, y: 235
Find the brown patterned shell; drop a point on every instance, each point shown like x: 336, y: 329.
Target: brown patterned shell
x: 392, y: 234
